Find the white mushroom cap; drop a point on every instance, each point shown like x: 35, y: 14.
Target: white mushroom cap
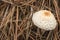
x: 44, y: 19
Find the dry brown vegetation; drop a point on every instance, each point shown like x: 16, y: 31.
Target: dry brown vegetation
x: 16, y: 23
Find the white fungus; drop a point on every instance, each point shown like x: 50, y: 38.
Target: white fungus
x: 44, y: 19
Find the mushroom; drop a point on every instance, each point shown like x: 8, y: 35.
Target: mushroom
x: 44, y: 19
